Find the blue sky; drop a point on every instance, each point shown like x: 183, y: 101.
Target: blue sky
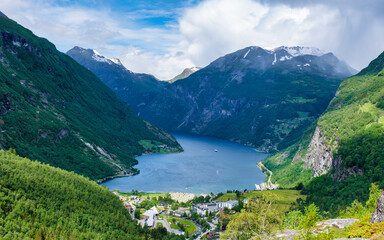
x: 164, y: 37
x: 143, y: 13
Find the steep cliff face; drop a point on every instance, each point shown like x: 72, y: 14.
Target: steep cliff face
x: 344, y: 153
x: 319, y: 157
x: 348, y: 132
x: 378, y: 215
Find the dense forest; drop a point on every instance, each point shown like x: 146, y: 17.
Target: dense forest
x: 352, y: 127
x: 54, y: 110
x: 38, y: 201
x: 354, y: 119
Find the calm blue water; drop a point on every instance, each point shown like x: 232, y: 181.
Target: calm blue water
x: 199, y: 169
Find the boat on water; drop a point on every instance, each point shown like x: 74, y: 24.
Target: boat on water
x: 216, y: 150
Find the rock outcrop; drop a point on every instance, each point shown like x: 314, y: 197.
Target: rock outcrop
x: 378, y: 214
x: 337, y: 223
x: 319, y: 156
x: 341, y: 172
x: 321, y: 160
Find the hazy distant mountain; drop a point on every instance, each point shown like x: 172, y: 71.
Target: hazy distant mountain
x: 186, y: 73
x: 131, y: 87
x: 264, y: 98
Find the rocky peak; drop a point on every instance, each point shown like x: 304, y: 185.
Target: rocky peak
x: 299, y: 51
x: 307, y: 59
x: 93, y: 55
x: 186, y: 73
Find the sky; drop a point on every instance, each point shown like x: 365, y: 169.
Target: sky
x: 163, y: 37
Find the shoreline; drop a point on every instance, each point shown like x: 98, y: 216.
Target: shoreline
x: 268, y: 182
x: 100, y: 181
x: 133, y: 171
x: 223, y: 139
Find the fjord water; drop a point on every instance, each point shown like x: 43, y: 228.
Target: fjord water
x: 206, y: 165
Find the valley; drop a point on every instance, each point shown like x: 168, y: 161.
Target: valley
x: 258, y: 142
x: 206, y: 165
x: 48, y: 112
x: 257, y: 97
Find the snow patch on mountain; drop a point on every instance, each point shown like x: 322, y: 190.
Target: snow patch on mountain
x: 96, y: 52
x: 114, y: 60
x: 246, y: 54
x: 274, y: 60
x: 299, y: 51
x: 186, y: 73
x: 194, y: 69
x: 100, y: 58
x: 284, y: 58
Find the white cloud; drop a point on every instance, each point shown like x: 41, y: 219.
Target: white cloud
x: 206, y: 31
x: 217, y: 27
x: 164, y: 66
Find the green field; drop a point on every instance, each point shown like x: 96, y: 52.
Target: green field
x: 190, y: 227
x: 282, y: 199
x: 144, y: 194
x: 159, y: 225
x: 152, y: 146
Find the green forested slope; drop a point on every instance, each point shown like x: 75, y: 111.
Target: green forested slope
x: 354, y: 122
x: 42, y: 202
x: 54, y: 110
x: 353, y: 126
x: 287, y: 172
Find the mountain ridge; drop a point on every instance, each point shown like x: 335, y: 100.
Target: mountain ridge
x: 54, y: 110
x: 342, y: 151
x: 3, y: 15
x: 217, y: 94
x: 184, y: 74
x: 131, y: 87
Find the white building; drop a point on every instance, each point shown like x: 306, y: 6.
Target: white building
x: 149, y: 216
x: 202, y: 208
x: 228, y: 204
